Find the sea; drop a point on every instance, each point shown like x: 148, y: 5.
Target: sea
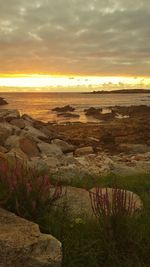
x: 39, y: 105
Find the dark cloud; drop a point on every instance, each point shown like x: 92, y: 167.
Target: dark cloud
x: 99, y: 37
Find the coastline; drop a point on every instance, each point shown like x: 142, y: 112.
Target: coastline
x: 118, y: 146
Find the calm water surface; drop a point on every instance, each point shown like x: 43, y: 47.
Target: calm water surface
x: 39, y: 105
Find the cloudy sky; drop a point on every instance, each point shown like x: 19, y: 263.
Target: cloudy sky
x: 75, y: 37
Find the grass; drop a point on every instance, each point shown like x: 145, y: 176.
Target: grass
x: 86, y: 243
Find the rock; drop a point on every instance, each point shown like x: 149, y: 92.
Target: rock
x: 19, y: 123
x: 3, y: 101
x: 17, y: 154
x: 92, y: 111
x: 71, y: 172
x: 123, y: 169
x: 50, y: 149
x: 29, y: 147
x: 68, y: 115
x: 64, y: 109
x: 132, y: 200
x: 48, y: 163
x: 28, y: 118
x: 64, y: 146
x: 9, y: 114
x: 35, y: 133
x: 12, y: 142
x: 78, y: 202
x: 4, y: 134
x: 132, y: 111
x: 3, y: 149
x: 3, y: 158
x: 22, y: 244
x: 84, y: 151
x: 9, y: 127
x: 134, y: 148
x: 93, y: 139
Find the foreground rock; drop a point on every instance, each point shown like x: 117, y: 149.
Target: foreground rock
x: 78, y: 203
x: 22, y: 244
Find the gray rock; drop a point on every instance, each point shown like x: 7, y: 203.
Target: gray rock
x: 22, y: 244
x: 48, y: 163
x: 78, y: 202
x: 35, y: 133
x: 18, y: 122
x: 12, y: 142
x: 4, y: 134
x: 134, y: 148
x: 84, y: 151
x: 17, y: 154
x: 9, y: 114
x: 28, y: 118
x: 64, y: 146
x: 128, y: 199
x: 50, y: 149
x: 29, y: 147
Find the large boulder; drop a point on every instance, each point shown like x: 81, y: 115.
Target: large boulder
x: 22, y: 244
x: 117, y: 200
x: 78, y: 202
x: 29, y: 147
x: 50, y: 149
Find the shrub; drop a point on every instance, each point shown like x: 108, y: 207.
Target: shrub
x: 26, y: 192
x: 112, y: 207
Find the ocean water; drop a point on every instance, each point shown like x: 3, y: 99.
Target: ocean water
x: 40, y: 105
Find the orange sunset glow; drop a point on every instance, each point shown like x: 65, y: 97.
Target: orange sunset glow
x: 39, y: 82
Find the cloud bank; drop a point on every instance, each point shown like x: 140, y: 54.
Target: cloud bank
x: 76, y: 37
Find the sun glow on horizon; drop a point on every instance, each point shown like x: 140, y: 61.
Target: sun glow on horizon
x: 40, y: 81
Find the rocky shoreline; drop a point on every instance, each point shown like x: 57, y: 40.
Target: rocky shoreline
x: 75, y: 150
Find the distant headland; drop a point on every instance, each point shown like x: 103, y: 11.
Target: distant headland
x: 122, y: 91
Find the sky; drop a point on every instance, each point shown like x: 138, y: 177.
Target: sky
x: 76, y: 40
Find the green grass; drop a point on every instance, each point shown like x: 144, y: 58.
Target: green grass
x: 87, y: 243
